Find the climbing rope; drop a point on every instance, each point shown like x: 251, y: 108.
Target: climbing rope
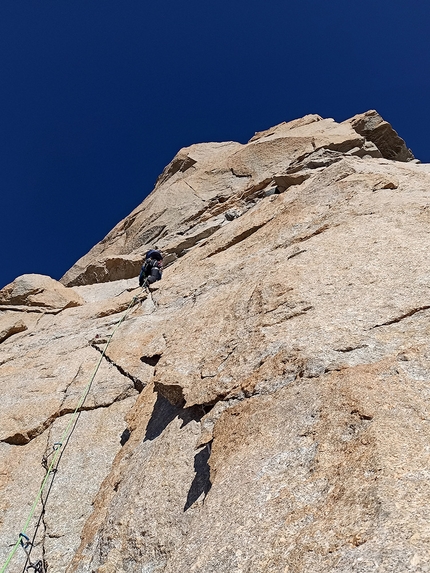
x: 23, y: 539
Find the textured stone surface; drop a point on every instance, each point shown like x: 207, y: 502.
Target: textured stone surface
x: 266, y: 407
x: 378, y: 131
x: 44, y: 371
x: 10, y: 325
x: 211, y: 180
x: 39, y: 290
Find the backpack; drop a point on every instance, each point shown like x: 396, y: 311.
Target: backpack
x: 148, y: 265
x: 153, y: 258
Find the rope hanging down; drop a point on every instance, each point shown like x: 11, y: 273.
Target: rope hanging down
x: 23, y: 540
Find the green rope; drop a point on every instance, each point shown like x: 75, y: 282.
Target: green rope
x: 65, y: 435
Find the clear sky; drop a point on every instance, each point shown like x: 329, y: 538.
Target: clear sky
x: 97, y: 96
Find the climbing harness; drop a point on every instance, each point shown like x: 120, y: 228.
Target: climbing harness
x: 55, y: 455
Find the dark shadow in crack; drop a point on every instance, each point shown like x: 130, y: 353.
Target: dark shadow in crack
x: 165, y: 412
x: 192, y: 414
x: 201, y: 483
x: 125, y: 436
x: 151, y: 360
x: 162, y: 414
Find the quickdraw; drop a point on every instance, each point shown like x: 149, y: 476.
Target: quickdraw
x: 27, y: 545
x: 46, y: 457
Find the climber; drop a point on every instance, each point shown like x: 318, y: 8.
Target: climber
x: 152, y: 268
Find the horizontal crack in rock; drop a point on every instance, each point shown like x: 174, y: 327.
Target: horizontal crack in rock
x: 239, y: 238
x: 38, y: 309
x: 21, y: 439
x: 240, y: 175
x: 284, y: 318
x: 350, y: 348
x: 402, y: 316
x: 318, y: 231
x: 296, y: 254
x: 302, y: 239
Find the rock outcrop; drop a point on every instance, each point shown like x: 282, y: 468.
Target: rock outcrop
x: 10, y: 327
x: 371, y: 126
x: 266, y: 407
x: 225, y: 179
x: 39, y: 291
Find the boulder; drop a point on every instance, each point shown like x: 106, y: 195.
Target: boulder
x: 39, y: 290
x: 106, y: 269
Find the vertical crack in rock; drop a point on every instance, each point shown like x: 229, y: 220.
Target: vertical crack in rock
x: 194, y: 191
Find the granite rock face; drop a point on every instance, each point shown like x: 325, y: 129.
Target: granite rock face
x: 378, y: 131
x: 39, y: 291
x: 265, y: 408
x: 207, y: 180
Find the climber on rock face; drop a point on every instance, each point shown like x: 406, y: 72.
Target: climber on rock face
x: 152, y: 268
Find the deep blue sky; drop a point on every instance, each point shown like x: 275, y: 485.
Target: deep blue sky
x: 96, y: 96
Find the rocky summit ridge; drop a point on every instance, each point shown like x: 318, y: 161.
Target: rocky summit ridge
x: 265, y: 408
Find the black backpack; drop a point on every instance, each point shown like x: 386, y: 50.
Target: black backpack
x: 147, y: 267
